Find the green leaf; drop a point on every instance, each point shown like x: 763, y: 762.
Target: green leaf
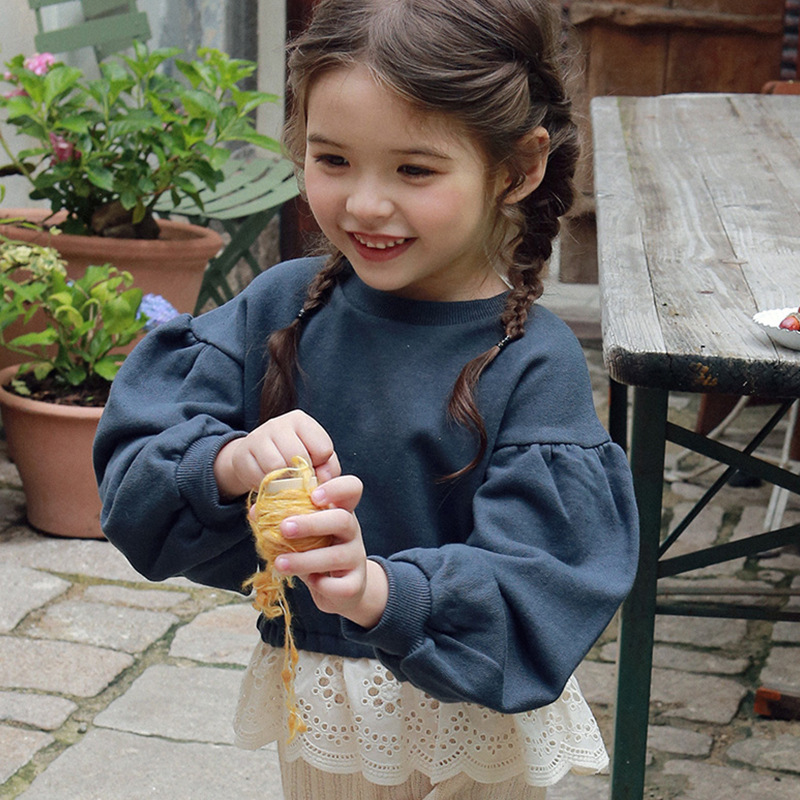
x: 258, y: 139
x: 128, y: 198
x: 185, y: 185
x: 211, y: 177
x: 33, y: 152
x: 38, y: 338
x: 20, y: 387
x: 114, y: 72
x: 68, y: 315
x: 76, y: 375
x: 145, y: 184
x: 18, y: 106
x: 59, y: 80
x: 120, y: 313
x: 75, y: 124
x: 61, y: 298
x: 138, y: 119
x: 218, y: 156
x: 101, y: 177
x: 133, y: 298
x: 107, y: 368
x: 40, y: 369
x: 139, y: 212
x: 247, y: 101
x: 200, y: 104
x: 192, y: 71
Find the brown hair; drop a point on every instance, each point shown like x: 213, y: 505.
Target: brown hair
x: 493, y: 67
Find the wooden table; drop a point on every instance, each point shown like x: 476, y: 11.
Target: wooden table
x: 698, y: 210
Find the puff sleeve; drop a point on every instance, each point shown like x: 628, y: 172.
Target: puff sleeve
x: 173, y: 405
x: 505, y: 618
x: 188, y: 388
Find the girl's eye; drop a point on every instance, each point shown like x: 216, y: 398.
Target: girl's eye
x: 414, y: 171
x: 331, y: 160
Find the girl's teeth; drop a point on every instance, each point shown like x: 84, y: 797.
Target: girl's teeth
x: 379, y: 245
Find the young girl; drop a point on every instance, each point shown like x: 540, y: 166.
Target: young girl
x: 483, y: 524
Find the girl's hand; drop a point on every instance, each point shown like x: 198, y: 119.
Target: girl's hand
x: 340, y: 577
x: 241, y: 464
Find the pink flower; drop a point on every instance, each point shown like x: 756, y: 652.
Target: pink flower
x: 39, y: 63
x: 18, y: 92
x: 8, y: 76
x: 63, y: 150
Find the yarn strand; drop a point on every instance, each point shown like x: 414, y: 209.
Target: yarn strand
x: 283, y: 493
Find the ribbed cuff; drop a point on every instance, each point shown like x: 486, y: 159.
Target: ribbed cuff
x: 195, y: 476
x: 401, y: 629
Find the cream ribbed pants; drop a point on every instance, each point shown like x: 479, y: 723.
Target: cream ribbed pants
x: 304, y: 782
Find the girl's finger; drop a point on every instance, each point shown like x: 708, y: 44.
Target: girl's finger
x: 341, y: 492
x: 314, y: 438
x: 329, y: 470
x: 338, y: 523
x: 336, y: 559
x: 333, y: 585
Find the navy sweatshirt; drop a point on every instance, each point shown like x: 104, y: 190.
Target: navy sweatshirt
x: 499, y: 582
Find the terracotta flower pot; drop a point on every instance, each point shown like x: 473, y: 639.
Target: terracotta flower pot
x: 51, y: 446
x: 171, y: 266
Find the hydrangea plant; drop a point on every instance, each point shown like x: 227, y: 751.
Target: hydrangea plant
x: 87, y: 320
x: 106, y: 149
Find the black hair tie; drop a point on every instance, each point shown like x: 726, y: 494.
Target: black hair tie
x: 503, y: 342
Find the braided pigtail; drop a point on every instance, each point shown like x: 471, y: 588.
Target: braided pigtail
x: 462, y: 408
x: 278, y: 392
x: 527, y: 229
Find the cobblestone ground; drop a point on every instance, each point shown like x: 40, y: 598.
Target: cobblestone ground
x: 115, y: 688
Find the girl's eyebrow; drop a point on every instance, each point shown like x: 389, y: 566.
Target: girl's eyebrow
x: 430, y: 152
x: 318, y: 138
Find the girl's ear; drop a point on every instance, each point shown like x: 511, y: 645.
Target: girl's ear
x: 535, y: 147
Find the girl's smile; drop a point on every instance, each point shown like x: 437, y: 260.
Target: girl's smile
x: 380, y: 248
x: 406, y: 198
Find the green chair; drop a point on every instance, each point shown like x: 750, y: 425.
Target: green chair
x: 108, y: 26
x: 243, y: 203
x: 251, y: 192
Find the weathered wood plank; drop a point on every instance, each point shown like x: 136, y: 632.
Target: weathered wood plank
x: 693, y: 268
x: 716, y: 219
x: 716, y: 61
x: 632, y: 16
x: 623, y: 276
x: 761, y: 209
x: 622, y: 63
x: 759, y: 220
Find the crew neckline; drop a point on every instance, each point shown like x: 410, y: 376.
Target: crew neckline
x: 417, y: 312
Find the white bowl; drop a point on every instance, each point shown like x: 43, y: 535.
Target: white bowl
x: 770, y: 321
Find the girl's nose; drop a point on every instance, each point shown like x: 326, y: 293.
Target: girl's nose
x: 367, y: 200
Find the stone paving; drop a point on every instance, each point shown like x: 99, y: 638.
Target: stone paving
x: 113, y: 688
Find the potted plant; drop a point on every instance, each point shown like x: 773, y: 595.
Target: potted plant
x: 103, y: 151
x: 52, y: 401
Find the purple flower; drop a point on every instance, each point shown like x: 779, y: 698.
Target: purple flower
x: 157, y: 310
x: 39, y: 63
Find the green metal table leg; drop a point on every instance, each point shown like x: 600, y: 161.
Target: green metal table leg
x: 635, y: 657
x: 618, y: 413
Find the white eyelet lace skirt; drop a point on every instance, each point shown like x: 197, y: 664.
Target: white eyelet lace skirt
x: 361, y: 719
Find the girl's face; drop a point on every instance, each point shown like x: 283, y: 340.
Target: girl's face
x: 406, y: 199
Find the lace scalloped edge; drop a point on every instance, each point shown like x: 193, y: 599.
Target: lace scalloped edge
x: 582, y: 763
